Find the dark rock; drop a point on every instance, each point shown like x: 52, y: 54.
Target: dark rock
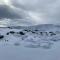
x: 29, y: 30
x: 21, y: 33
x: 36, y: 30
x: 12, y: 32
x: 9, y: 27
x: 1, y: 36
x: 32, y: 32
x: 46, y: 33
x: 25, y: 30
x: 52, y: 33
x: 41, y: 33
x: 7, y: 33
x: 6, y: 40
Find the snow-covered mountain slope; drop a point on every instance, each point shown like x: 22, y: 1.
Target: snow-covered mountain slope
x: 43, y: 36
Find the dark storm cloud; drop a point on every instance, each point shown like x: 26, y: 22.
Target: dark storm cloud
x: 13, y: 15
x: 33, y: 11
x: 7, y: 12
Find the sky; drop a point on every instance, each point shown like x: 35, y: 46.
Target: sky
x: 29, y: 12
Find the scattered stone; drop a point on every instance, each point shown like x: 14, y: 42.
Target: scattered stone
x: 21, y: 33
x: 12, y: 32
x: 32, y: 32
x: 6, y: 40
x: 7, y: 33
x: 46, y: 33
x: 52, y: 33
x: 9, y: 27
x: 25, y: 30
x: 1, y: 36
x: 41, y: 33
x: 36, y: 30
x: 29, y: 30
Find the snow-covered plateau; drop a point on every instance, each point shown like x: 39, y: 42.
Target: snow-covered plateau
x: 40, y: 42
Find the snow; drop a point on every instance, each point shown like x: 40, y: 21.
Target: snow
x: 33, y: 45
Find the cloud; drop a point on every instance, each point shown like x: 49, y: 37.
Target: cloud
x: 15, y: 22
x: 31, y: 12
x: 6, y: 12
x: 46, y: 11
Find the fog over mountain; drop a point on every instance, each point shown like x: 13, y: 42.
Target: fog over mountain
x: 34, y: 12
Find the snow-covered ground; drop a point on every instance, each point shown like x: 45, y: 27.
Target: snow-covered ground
x: 41, y: 42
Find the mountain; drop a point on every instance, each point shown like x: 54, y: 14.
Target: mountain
x: 41, y: 27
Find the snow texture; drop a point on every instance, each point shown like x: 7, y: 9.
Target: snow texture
x: 41, y: 42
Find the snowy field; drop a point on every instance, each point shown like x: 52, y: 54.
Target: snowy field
x: 41, y: 42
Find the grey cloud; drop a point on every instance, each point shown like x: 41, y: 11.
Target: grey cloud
x: 32, y: 12
x: 14, y: 16
x: 50, y: 9
x: 33, y: 5
x: 7, y: 12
